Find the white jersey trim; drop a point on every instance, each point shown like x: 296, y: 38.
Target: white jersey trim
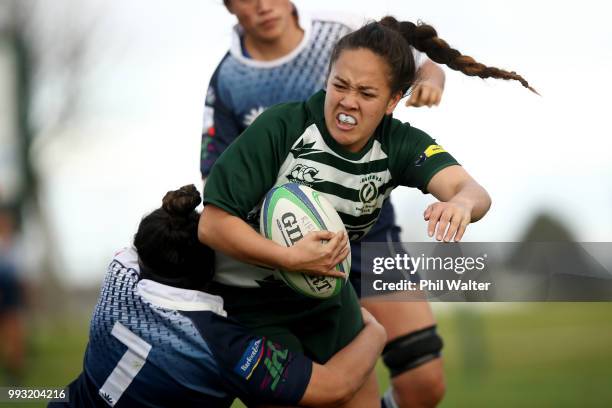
x: 173, y: 298
x: 304, y: 22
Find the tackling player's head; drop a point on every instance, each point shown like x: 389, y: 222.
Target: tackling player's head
x: 167, y: 242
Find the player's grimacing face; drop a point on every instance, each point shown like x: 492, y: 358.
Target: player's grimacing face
x: 358, y: 96
x: 264, y: 20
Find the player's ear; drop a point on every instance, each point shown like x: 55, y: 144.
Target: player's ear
x: 393, y: 102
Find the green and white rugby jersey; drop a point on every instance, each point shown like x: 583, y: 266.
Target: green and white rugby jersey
x: 290, y: 143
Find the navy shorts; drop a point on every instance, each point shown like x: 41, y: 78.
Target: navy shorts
x: 385, y: 231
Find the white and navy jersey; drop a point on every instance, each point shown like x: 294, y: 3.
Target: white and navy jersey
x: 153, y: 345
x: 241, y: 88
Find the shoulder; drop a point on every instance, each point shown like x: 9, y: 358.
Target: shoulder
x: 396, y: 132
x: 404, y: 142
x: 127, y: 258
x: 289, y: 117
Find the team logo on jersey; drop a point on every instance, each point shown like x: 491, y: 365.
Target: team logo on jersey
x: 303, y: 174
x: 109, y: 400
x: 252, y: 115
x: 432, y: 150
x: 250, y: 359
x: 368, y: 192
x: 302, y: 149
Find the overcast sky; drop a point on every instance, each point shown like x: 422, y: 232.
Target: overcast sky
x: 141, y: 136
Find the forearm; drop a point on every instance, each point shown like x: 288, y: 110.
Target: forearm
x: 231, y: 235
x: 474, y: 197
x: 337, y: 381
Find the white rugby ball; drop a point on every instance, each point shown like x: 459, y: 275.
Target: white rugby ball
x: 288, y: 213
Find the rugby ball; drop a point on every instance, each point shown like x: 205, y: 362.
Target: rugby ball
x: 288, y: 213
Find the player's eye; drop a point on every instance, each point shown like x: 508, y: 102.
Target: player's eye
x: 339, y: 86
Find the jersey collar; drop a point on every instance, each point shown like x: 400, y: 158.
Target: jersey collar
x: 187, y: 300
x: 305, y: 23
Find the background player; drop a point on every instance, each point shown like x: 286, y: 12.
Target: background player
x: 12, y: 327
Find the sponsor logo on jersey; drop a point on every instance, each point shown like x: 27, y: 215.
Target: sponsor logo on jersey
x: 303, y: 174
x: 250, y: 359
x: 432, y: 150
x: 276, y: 362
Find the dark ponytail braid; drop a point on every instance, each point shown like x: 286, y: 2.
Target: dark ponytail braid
x: 167, y: 242
x: 425, y: 38
x: 390, y: 39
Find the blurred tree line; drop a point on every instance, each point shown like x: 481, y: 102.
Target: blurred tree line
x: 50, y: 57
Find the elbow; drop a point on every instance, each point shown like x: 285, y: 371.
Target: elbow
x: 488, y: 202
x: 483, y: 207
x: 204, y: 228
x: 335, y: 388
x: 342, y: 391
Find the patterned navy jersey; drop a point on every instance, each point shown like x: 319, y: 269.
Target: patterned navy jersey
x: 158, y: 346
x: 241, y: 88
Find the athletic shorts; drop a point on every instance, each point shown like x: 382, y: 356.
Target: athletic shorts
x: 317, y: 328
x: 385, y: 231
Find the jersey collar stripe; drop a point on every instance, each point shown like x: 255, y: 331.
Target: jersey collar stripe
x: 236, y: 47
x: 179, y: 299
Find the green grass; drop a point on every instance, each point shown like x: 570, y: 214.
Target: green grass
x: 534, y: 355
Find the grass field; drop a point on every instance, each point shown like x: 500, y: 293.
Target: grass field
x: 527, y: 355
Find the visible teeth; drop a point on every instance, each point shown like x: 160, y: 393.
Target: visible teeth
x: 347, y: 119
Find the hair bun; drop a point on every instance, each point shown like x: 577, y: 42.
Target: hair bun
x: 182, y: 201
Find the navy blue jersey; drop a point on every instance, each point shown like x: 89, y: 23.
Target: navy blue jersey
x: 159, y: 346
x: 241, y: 88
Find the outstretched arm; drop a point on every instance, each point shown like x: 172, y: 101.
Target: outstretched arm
x: 429, y: 86
x: 462, y: 201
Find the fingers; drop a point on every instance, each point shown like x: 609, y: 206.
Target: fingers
x: 435, y: 211
x: 461, y: 231
x: 427, y: 213
x: 445, y: 219
x: 446, y: 222
x: 322, y: 235
x: 334, y: 249
x: 341, y: 256
x: 340, y: 251
x: 425, y: 95
x: 415, y: 97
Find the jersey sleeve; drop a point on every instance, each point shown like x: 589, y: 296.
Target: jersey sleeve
x: 249, y: 167
x: 417, y: 157
x: 253, y: 368
x: 220, y: 126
